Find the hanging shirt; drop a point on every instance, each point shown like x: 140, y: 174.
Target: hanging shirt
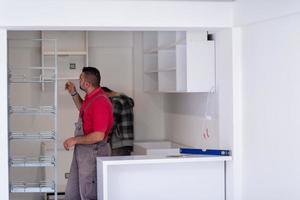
x: 122, y: 133
x: 99, y: 115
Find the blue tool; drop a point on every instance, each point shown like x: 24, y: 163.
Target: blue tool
x: 217, y: 152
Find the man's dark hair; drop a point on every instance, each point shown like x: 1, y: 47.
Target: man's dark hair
x: 106, y: 89
x: 92, y: 75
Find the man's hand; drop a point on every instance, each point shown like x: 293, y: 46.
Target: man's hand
x: 70, y: 87
x: 68, y: 143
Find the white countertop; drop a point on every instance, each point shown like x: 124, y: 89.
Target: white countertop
x: 150, y: 159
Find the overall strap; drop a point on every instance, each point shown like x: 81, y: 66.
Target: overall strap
x: 90, y: 102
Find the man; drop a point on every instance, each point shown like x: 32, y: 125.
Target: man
x: 121, y: 137
x: 91, y: 133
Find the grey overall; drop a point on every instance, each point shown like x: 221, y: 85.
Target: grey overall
x: 82, y: 182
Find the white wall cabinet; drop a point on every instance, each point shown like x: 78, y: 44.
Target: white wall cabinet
x: 178, y: 61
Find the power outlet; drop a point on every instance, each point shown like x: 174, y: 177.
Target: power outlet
x: 67, y: 175
x: 72, y: 66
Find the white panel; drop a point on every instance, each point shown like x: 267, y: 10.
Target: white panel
x: 156, y: 148
x: 200, y: 63
x: 150, y: 62
x: 166, y: 59
x: 176, y: 181
x: 167, y: 81
x: 110, y: 39
x: 181, y: 74
x: 165, y: 38
x: 135, y: 14
x: 150, y: 40
x: 148, y: 108
x: 115, y: 65
x: 189, y: 130
x: 180, y: 36
x: 270, y: 100
x: 224, y: 87
x: 3, y: 116
x: 247, y: 12
x: 65, y: 40
x: 151, y: 82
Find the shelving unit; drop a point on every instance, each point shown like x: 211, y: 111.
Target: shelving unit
x: 178, y: 62
x: 41, y: 161
x: 72, y: 48
x: 40, y: 187
x: 22, y: 76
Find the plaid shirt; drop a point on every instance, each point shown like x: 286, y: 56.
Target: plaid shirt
x: 122, y: 132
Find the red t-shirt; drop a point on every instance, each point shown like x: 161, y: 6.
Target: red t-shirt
x: 99, y: 115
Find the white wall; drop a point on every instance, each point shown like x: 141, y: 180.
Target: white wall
x: 112, y: 53
x: 114, y: 14
x: 270, y: 99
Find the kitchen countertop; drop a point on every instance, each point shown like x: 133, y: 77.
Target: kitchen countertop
x: 149, y: 159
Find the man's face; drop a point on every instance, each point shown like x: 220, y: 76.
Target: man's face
x: 83, y: 83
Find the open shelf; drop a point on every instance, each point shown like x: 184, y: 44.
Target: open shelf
x: 22, y: 78
x: 30, y: 67
x: 42, y: 186
x: 50, y: 135
x: 41, y: 161
x: 65, y: 53
x: 32, y: 110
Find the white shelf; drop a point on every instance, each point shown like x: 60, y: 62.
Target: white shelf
x: 40, y: 187
x: 151, y: 51
x: 30, y: 67
x: 50, y: 135
x: 23, y: 78
x: 171, y: 46
x: 168, y: 69
x: 65, y: 53
x: 32, y: 110
x: 68, y: 78
x: 41, y: 161
x: 149, y: 72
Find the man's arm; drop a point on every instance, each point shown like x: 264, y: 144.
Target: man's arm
x: 75, y: 96
x: 77, y: 100
x: 91, y: 138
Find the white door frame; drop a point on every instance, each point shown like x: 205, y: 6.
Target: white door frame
x: 4, y: 183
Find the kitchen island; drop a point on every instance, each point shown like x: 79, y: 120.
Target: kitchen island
x: 160, y: 177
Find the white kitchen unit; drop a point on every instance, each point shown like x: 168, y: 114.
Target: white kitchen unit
x: 192, y: 177
x: 178, y: 61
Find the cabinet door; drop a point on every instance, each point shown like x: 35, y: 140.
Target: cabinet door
x: 200, y: 67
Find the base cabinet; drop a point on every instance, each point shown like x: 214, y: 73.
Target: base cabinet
x: 163, y: 179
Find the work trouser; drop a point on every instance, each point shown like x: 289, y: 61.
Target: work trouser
x: 82, y: 182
